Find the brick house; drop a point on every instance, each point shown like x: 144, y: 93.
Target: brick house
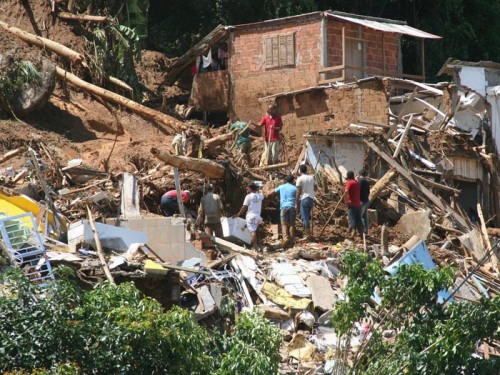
x: 287, y: 56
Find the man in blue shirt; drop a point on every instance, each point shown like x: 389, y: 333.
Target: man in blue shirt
x: 287, y: 193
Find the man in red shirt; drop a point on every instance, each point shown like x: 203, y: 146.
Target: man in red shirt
x: 169, y: 204
x: 272, y: 126
x: 353, y: 202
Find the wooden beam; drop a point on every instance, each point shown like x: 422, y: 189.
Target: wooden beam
x: 403, y: 136
x: 100, y: 253
x: 209, y: 168
x: 415, y: 184
x: 436, y: 184
x: 487, y: 241
x: 215, y: 36
x: 180, y: 203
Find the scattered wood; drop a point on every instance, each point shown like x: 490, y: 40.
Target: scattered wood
x: 415, y: 184
x: 46, y: 44
x: 112, y: 97
x: 207, y: 167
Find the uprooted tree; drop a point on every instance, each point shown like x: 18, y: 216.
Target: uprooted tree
x: 428, y: 337
x: 113, y: 329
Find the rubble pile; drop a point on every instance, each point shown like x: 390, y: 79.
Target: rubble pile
x: 434, y: 200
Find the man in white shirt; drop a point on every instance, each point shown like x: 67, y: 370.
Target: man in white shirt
x: 304, y: 199
x: 252, y: 206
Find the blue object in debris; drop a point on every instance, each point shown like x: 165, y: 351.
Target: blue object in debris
x: 418, y: 254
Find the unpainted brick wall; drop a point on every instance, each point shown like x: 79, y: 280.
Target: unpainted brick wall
x: 374, y: 41
x: 251, y: 80
x: 331, y: 108
x: 210, y: 91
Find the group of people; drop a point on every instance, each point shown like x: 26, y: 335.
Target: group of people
x: 295, y: 198
x: 272, y: 125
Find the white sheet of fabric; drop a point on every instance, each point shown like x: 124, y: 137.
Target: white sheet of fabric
x: 207, y: 60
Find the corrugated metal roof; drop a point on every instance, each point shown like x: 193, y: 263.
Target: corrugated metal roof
x: 388, y: 27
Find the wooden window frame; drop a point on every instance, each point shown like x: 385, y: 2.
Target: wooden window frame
x: 279, y: 51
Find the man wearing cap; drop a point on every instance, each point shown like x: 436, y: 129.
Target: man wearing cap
x: 169, y: 204
x: 252, y: 206
x: 272, y: 124
x: 211, y: 210
x: 287, y: 193
x: 364, y: 197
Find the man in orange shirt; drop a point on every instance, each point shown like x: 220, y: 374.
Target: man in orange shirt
x: 272, y: 124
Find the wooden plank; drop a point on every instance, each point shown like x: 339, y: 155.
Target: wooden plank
x: 130, y: 197
x: 403, y: 136
x: 233, y: 248
x: 9, y: 155
x: 180, y: 203
x: 415, y: 184
x: 100, y: 253
x: 487, y: 241
x: 436, y: 184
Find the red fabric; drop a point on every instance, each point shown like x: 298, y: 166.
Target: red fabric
x: 194, y: 70
x: 352, y: 187
x: 173, y: 194
x: 268, y: 122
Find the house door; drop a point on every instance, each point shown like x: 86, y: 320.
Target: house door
x: 354, y: 57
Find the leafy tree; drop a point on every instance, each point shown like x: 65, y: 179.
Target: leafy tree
x: 431, y: 338
x: 114, y: 329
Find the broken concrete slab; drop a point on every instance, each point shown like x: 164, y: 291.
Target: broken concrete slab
x: 208, y: 305
x: 111, y: 237
x: 416, y: 224
x: 323, y: 295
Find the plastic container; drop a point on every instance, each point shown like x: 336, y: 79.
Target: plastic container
x: 236, y: 229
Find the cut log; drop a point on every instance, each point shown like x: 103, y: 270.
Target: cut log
x: 381, y: 184
x: 216, y: 35
x: 209, y: 168
x: 82, y: 17
x: 9, y: 155
x: 211, y: 144
x: 112, y: 97
x: 46, y: 44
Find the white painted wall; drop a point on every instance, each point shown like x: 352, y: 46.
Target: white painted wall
x: 493, y: 98
x: 474, y: 78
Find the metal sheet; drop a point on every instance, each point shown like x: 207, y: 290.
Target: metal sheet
x: 387, y: 27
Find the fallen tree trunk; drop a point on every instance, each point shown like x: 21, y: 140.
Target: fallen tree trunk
x: 211, y: 144
x: 381, y: 184
x: 46, y: 44
x: 110, y: 96
x: 82, y: 17
x: 209, y: 168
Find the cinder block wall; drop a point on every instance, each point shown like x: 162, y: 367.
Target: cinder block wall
x: 251, y: 80
x: 332, y: 108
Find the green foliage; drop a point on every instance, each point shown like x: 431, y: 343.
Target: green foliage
x: 432, y: 338
x: 114, y: 48
x: 18, y: 73
x: 252, y: 349
x: 114, y: 329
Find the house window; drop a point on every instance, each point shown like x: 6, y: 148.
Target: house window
x: 280, y: 51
